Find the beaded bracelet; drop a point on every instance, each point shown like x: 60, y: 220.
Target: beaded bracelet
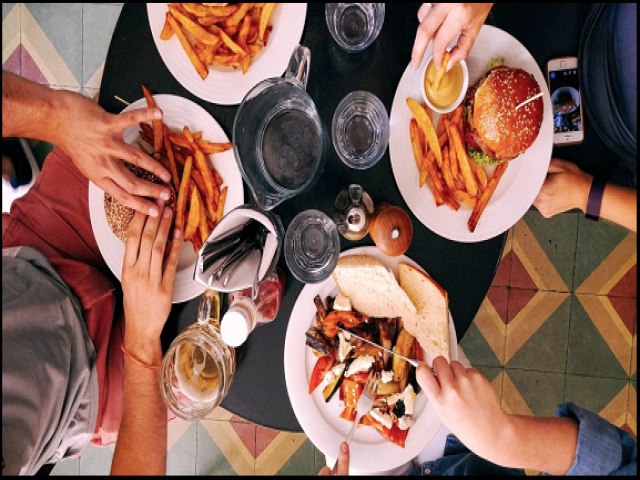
x: 136, y: 361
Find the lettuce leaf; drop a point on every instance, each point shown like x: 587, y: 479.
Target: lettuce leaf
x: 481, y: 158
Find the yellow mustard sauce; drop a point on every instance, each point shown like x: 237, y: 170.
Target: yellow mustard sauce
x: 449, y: 88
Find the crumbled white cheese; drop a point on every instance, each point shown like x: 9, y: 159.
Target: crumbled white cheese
x: 341, y: 302
x: 344, y: 347
x: 386, y: 376
x: 360, y: 364
x: 384, y: 418
x: 408, y: 396
x: 333, y: 373
x: 405, y: 422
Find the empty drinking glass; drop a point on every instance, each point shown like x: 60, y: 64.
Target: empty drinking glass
x: 354, y: 26
x: 360, y: 129
x: 311, y: 246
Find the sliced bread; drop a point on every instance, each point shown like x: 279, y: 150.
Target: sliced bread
x: 430, y: 323
x: 371, y: 287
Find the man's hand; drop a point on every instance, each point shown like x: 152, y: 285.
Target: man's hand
x: 566, y: 187
x: 93, y: 139
x: 147, y: 284
x: 441, y: 22
x: 466, y: 403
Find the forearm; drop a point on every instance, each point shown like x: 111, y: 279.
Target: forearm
x: 619, y: 206
x: 141, y: 448
x: 30, y: 110
x: 545, y: 444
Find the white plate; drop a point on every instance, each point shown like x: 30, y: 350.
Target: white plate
x: 226, y: 86
x: 177, y: 112
x: 523, y: 178
x: 321, y: 421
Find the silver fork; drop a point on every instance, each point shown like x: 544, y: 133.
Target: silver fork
x: 364, y: 406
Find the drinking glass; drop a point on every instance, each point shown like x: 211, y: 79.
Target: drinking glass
x: 360, y: 129
x: 354, y: 26
x: 311, y: 246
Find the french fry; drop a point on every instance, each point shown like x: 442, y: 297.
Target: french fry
x: 463, y: 161
x: 418, y: 153
x: 156, y: 124
x: 450, y: 200
x: 181, y: 203
x: 202, y: 223
x: 197, y: 244
x: 227, y: 40
x: 267, y: 10
x: 456, y: 116
x: 437, y: 195
x: 217, y: 178
x: 193, y: 220
x: 446, y: 170
x: 220, y: 209
x: 198, y: 178
x: 199, y: 33
x: 167, y: 31
x: 204, y: 168
x: 424, y: 122
x: 172, y: 161
x: 239, y: 14
x: 200, y: 10
x: 479, y: 172
x: 193, y: 57
x: 486, y: 196
x: 464, y: 198
x: 440, y: 72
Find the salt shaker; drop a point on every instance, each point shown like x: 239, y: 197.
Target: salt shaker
x: 354, y: 212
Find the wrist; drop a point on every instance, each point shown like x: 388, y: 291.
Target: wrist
x: 147, y: 350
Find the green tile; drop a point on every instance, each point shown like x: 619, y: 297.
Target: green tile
x: 302, y: 462
x: 209, y: 459
x: 490, y: 372
x: 546, y: 349
x: 96, y: 461
x: 592, y: 393
x: 181, y: 457
x: 477, y: 349
x: 589, y: 354
x: 542, y: 391
x: 6, y: 8
x: 67, y: 467
x: 98, y: 23
x: 557, y: 237
x: 596, y: 240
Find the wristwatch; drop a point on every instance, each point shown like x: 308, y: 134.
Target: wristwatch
x: 595, y: 199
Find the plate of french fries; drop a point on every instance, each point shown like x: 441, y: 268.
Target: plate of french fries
x: 220, y: 51
x: 205, y: 178
x: 442, y: 185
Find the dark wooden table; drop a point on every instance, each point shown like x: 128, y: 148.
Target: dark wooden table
x: 465, y: 270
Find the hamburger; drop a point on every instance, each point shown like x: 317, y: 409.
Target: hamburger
x: 118, y: 216
x: 495, y: 130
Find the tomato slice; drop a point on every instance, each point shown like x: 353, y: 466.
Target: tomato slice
x: 349, y: 413
x: 393, y: 434
x: 323, y: 364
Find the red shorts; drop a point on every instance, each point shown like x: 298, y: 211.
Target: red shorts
x: 53, y: 217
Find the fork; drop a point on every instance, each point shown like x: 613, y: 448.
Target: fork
x: 364, y: 406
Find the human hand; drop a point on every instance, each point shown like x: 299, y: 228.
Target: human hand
x: 441, y: 22
x: 342, y: 467
x: 466, y: 403
x: 566, y: 187
x: 147, y: 284
x: 93, y: 139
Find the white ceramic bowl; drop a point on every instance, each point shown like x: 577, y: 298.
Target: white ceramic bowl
x: 459, y: 98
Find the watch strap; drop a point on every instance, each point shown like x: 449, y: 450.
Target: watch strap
x: 595, y: 199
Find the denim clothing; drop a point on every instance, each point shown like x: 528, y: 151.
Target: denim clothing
x: 603, y: 449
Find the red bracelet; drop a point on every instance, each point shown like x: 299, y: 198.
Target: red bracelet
x: 595, y: 199
x: 137, y: 361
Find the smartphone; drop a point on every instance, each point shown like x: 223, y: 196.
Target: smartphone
x: 566, y: 101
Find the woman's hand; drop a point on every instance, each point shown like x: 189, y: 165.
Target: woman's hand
x: 565, y: 188
x: 147, y: 282
x: 441, y: 22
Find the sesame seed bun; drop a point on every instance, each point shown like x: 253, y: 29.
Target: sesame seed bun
x: 118, y: 216
x: 496, y: 127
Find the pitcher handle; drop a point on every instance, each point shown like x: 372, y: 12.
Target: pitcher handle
x: 299, y: 63
x: 209, y: 308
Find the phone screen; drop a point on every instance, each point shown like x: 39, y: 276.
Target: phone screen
x: 565, y: 100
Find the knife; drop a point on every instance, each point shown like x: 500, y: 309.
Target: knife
x: 415, y: 363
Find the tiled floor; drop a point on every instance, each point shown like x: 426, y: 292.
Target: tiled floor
x: 559, y: 322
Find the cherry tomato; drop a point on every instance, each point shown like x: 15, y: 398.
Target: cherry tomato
x: 322, y: 366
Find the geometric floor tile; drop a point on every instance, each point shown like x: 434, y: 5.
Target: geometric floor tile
x: 632, y: 412
x: 606, y: 396
x: 544, y: 252
x: 98, y: 22
x: 281, y: 446
x: 532, y: 392
x: 537, y: 337
x: 501, y: 279
x: 218, y: 455
x: 599, y: 342
x: 96, y: 461
x: 484, y: 340
x: 181, y: 445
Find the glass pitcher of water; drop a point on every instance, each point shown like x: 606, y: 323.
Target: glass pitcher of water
x: 278, y: 137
